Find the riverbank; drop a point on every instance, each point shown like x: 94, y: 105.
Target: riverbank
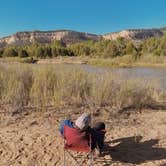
x: 124, y: 61
x: 35, y: 98
x: 44, y: 85
x: 32, y: 138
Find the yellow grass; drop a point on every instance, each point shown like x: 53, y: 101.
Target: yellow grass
x: 41, y: 85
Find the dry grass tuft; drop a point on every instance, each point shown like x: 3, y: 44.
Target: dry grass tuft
x: 42, y: 86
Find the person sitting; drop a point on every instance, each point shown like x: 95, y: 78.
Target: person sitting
x: 81, y: 136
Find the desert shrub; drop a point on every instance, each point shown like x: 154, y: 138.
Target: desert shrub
x: 130, y: 49
x: 22, y: 53
x: 44, y: 86
x: 80, y: 49
x: 16, y: 83
x: 78, y: 86
x: 10, y: 52
x: 54, y: 51
x: 41, y: 86
x: 102, y: 91
x: 1, y: 80
x: 29, y: 60
x: 134, y: 93
x: 40, y: 52
x: 1, y: 52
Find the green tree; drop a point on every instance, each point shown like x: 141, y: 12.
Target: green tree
x: 111, y: 50
x: 130, y: 49
x: 40, y: 52
x: 47, y: 51
x: 22, y: 53
x: 157, y: 52
x: 54, y: 51
x: 1, y: 52
x: 57, y: 43
x: 10, y: 52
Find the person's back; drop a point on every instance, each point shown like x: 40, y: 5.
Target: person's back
x: 66, y: 122
x: 98, y: 136
x: 75, y: 134
x: 80, y: 133
x: 76, y: 139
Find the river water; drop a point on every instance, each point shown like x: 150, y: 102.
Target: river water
x: 157, y: 75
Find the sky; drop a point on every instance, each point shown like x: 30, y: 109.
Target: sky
x: 93, y: 16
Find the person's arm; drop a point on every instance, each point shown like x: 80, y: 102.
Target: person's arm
x: 66, y: 122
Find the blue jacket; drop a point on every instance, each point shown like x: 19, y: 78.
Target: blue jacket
x: 66, y: 122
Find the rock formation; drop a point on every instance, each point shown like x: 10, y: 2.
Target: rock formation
x: 67, y: 37
x: 135, y: 34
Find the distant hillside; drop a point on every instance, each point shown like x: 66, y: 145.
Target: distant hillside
x: 163, y: 29
x: 65, y: 36
x: 68, y: 37
x: 134, y: 34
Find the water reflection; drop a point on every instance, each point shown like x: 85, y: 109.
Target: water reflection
x: 153, y: 75
x: 148, y: 74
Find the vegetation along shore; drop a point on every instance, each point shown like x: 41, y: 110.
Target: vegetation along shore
x: 123, y: 51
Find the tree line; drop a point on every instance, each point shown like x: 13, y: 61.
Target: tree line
x: 102, y: 48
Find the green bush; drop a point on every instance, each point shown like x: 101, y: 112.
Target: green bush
x: 10, y: 52
x: 23, y: 53
x: 1, y: 53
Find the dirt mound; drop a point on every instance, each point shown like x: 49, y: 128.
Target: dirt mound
x: 33, y: 139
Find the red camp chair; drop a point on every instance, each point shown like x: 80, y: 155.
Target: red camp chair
x: 76, y: 141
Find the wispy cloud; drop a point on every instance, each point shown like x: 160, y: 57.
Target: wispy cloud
x: 2, y: 34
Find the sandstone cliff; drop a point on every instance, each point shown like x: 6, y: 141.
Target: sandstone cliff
x: 67, y: 37
x: 135, y: 34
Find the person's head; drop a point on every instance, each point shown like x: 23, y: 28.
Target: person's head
x: 99, y: 126
x: 83, y: 121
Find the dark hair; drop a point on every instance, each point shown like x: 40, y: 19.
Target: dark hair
x: 99, y: 126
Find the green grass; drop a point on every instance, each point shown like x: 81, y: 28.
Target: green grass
x: 129, y: 61
x: 121, y: 61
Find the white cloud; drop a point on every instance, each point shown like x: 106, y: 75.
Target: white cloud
x: 2, y: 34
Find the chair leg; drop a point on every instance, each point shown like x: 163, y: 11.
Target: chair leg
x: 80, y: 164
x: 73, y: 158
x: 64, y: 157
x: 92, y: 158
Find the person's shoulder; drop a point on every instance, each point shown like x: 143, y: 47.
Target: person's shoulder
x: 68, y: 122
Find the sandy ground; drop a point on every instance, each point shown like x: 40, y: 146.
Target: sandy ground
x: 32, y: 138
x: 63, y: 60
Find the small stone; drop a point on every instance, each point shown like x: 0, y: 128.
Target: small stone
x: 107, y: 157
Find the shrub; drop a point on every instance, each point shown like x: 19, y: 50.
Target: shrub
x: 22, y: 53
x: 77, y: 86
x: 42, y: 86
x: 134, y: 93
x: 1, y: 53
x: 16, y: 83
x: 10, y: 52
x: 103, y: 90
x: 130, y: 49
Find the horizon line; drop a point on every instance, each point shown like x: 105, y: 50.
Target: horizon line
x: 100, y: 34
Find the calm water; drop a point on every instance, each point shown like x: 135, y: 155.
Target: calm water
x: 155, y: 75
x: 150, y: 74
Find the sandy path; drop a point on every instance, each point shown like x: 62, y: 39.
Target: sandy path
x: 33, y: 139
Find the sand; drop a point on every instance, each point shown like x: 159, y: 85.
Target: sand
x: 32, y: 138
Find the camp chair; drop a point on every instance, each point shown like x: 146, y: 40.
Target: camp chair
x: 78, y: 142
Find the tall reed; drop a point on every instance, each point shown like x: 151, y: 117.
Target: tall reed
x: 41, y: 86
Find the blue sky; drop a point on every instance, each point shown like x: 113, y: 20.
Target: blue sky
x: 94, y: 16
